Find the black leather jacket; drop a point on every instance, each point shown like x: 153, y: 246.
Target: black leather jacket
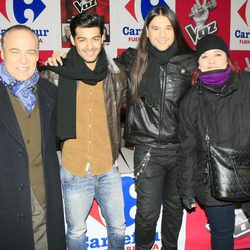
x: 156, y: 126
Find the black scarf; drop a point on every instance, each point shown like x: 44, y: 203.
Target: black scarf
x: 74, y: 68
x: 150, y: 88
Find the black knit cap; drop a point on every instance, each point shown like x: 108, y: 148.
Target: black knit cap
x: 210, y: 42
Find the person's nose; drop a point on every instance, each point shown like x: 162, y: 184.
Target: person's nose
x: 211, y: 60
x: 23, y: 58
x: 89, y: 44
x: 162, y: 33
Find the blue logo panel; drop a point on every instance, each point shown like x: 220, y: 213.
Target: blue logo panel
x: 146, y: 6
x: 19, y: 7
x: 129, y: 201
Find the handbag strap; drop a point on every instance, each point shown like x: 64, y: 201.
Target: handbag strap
x: 204, y: 123
x: 207, y: 139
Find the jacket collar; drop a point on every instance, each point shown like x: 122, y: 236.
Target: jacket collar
x: 231, y: 85
x: 8, y: 117
x: 113, y: 68
x: 46, y: 107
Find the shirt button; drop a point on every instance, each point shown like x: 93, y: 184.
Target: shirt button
x: 20, y: 187
x: 20, y: 216
x: 28, y: 141
x: 20, y: 153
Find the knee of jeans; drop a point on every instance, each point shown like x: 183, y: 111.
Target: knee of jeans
x: 76, y: 231
x: 115, y: 228
x: 116, y: 231
x: 76, y: 234
x: 223, y: 233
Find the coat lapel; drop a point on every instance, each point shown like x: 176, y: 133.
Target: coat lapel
x: 46, y: 107
x: 8, y: 117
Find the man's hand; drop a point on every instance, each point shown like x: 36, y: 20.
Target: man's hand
x: 56, y: 59
x: 189, y: 204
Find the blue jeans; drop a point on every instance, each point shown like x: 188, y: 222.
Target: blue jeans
x: 79, y: 193
x: 222, y: 221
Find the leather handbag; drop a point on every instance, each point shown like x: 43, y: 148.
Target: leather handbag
x: 229, y: 171
x: 228, y: 168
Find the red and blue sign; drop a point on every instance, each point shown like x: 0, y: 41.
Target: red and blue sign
x: 19, y: 8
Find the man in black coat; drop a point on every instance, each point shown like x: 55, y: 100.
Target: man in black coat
x: 31, y: 210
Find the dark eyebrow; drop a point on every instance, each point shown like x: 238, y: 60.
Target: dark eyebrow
x: 169, y: 25
x: 83, y: 37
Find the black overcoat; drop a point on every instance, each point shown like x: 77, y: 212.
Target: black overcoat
x: 15, y: 198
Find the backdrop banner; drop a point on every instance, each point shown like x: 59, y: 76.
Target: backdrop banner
x: 123, y: 23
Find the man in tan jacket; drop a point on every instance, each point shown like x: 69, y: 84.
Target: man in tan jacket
x: 90, y: 92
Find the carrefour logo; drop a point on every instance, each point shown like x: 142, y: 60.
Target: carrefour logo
x: 20, y: 7
x: 243, y: 12
x: 242, y: 32
x: 145, y: 7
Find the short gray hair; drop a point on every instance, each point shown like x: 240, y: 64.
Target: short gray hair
x: 18, y: 27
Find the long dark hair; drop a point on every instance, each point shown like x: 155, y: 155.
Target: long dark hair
x: 140, y: 62
x: 233, y: 64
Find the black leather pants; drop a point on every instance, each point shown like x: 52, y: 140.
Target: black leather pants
x: 156, y: 186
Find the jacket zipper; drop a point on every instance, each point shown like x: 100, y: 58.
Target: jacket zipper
x: 163, y: 83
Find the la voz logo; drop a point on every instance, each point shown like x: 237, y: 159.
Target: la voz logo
x: 145, y: 7
x: 19, y: 8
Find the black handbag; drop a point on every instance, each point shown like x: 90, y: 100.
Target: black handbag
x: 229, y: 170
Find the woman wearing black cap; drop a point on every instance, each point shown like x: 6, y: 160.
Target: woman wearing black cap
x: 221, y: 99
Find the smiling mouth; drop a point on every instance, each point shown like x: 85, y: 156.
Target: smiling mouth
x: 22, y: 69
x: 162, y: 41
x: 90, y: 53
